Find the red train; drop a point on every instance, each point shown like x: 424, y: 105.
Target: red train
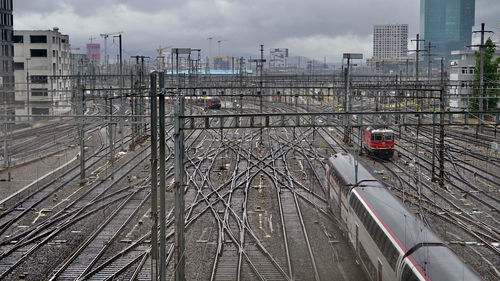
x: 379, y: 142
x: 208, y: 102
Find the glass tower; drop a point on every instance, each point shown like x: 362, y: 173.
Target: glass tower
x: 447, y: 24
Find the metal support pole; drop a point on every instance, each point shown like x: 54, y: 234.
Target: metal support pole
x: 162, y: 175
x: 346, y: 104
x: 441, y: 141
x: 433, y: 177
x: 154, y: 180
x: 111, y: 139
x: 122, y: 101
x: 81, y: 126
x: 27, y: 88
x: 481, y: 75
x: 441, y: 127
x: 179, y: 190
x: 5, y: 143
x: 417, y: 57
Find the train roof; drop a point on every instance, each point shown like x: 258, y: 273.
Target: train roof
x: 344, y: 164
x: 443, y: 264
x: 379, y: 130
x: 404, y: 225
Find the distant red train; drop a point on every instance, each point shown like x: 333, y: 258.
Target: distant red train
x: 379, y: 142
x: 208, y: 102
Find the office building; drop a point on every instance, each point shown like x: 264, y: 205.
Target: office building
x: 447, y: 24
x: 390, y: 41
x: 6, y: 56
x: 462, y: 76
x: 41, y: 59
x: 94, y: 52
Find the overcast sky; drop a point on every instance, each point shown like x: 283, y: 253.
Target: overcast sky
x: 311, y: 28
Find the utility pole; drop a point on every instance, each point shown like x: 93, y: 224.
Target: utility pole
x: 162, y: 175
x: 111, y: 138
x: 6, y: 155
x: 154, y: 180
x: 441, y: 127
x: 259, y: 66
x: 179, y: 252
x: 429, y: 62
x: 81, y: 110
x: 346, y: 103
x: 481, y: 71
x: 418, y: 50
x: 140, y: 129
x: 179, y: 190
x: 28, y: 88
x: 418, y: 40
x: 122, y: 100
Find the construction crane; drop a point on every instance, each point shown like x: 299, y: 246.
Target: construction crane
x: 106, y: 55
x: 160, y: 56
x: 210, y: 47
x: 91, y: 39
x: 219, y: 42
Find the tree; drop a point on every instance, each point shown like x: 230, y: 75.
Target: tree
x: 491, y: 79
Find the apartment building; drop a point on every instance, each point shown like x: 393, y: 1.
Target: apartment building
x: 42, y: 59
x: 390, y: 41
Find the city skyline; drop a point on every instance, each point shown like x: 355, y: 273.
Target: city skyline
x: 316, y: 29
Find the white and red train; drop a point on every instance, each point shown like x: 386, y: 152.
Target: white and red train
x: 391, y: 243
x: 378, y: 142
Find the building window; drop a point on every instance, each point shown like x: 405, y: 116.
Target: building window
x: 38, y: 39
x: 38, y: 52
x: 18, y: 65
x: 39, y: 92
x: 18, y: 39
x: 39, y: 79
x: 40, y: 111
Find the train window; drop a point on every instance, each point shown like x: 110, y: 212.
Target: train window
x: 356, y: 204
x: 392, y: 256
x: 377, y: 137
x: 379, y: 234
x: 408, y: 274
x: 389, y: 251
x: 370, y: 226
x: 388, y: 137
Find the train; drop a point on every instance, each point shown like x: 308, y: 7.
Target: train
x: 206, y: 101
x: 390, y: 243
x: 378, y: 141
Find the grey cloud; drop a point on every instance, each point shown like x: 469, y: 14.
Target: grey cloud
x: 244, y: 24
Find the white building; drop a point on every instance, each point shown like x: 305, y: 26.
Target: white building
x: 462, y: 78
x: 278, y: 58
x: 390, y: 41
x: 44, y: 57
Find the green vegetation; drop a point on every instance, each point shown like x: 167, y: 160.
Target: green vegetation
x: 491, y: 80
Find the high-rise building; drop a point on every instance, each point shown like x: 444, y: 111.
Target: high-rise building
x: 447, y: 24
x: 94, y: 52
x: 390, y: 41
x: 42, y: 58
x: 278, y: 58
x: 6, y: 55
